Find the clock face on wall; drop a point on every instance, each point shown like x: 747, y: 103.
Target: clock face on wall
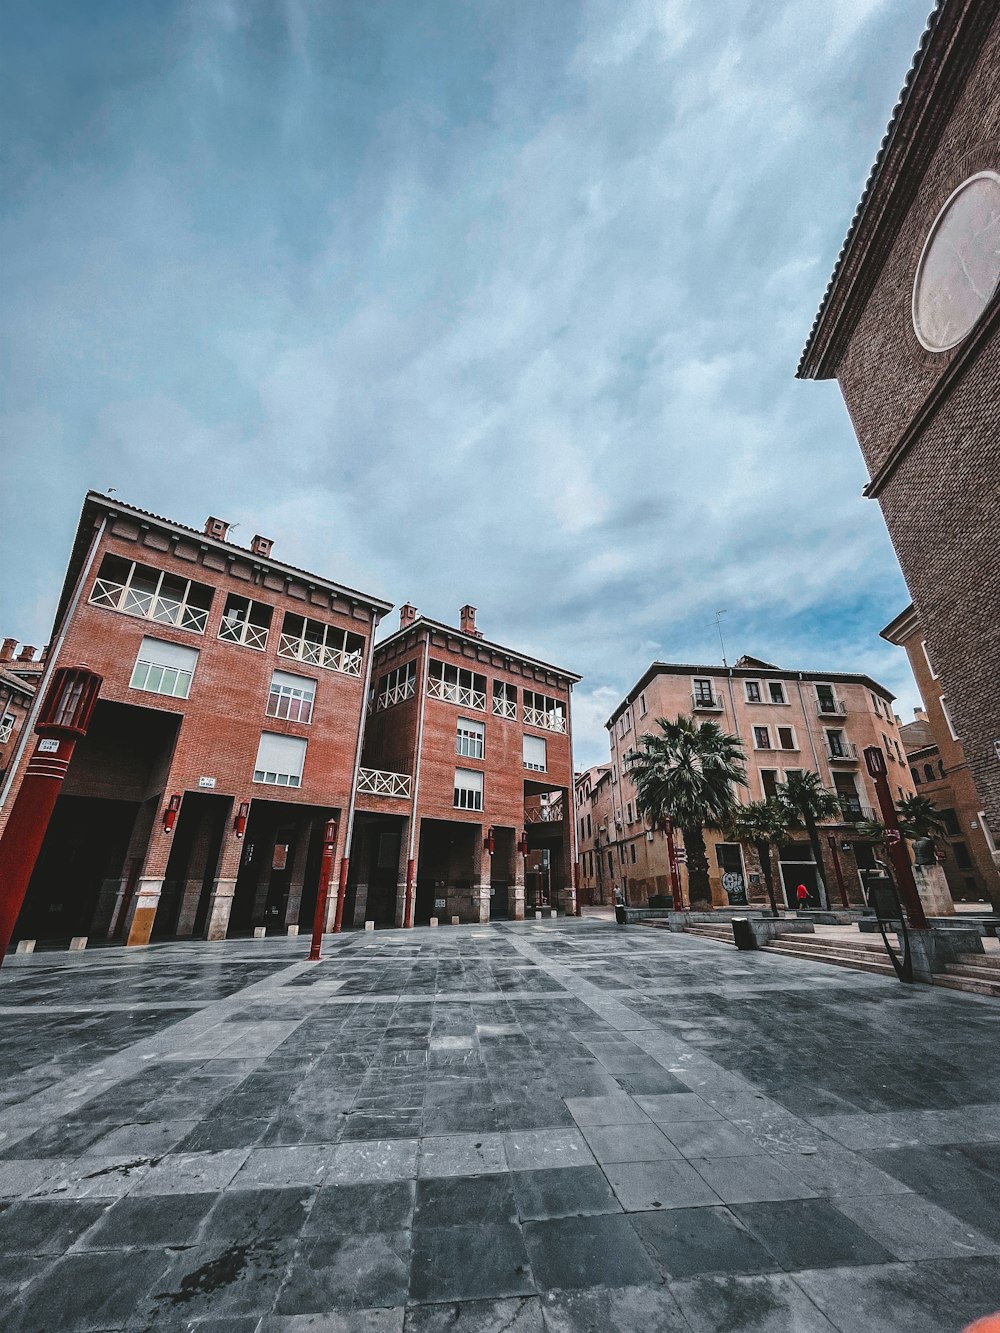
x: 959, y: 269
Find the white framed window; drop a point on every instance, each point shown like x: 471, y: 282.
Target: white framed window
x: 540, y: 710
x: 320, y: 644
x: 877, y: 704
x: 6, y: 727
x: 703, y: 692
x: 164, y: 668
x: 899, y: 752
x: 245, y: 622
x: 533, y: 751
x: 769, y: 783
x: 927, y: 659
x: 642, y: 705
x: 280, y: 760
x: 291, y: 697
x: 751, y: 691
x: 505, y: 700
x: 468, y: 789
x: 776, y: 690
x: 761, y: 738
x: 786, y: 738
x: 836, y: 744
x: 456, y: 685
x: 793, y: 773
x: 947, y: 717
x: 625, y: 722
x: 395, y: 686
x: 470, y: 738
x: 152, y: 594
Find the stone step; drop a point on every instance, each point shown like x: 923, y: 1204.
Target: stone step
x: 810, y: 944
x: 968, y: 984
x: 977, y: 971
x: 859, y: 962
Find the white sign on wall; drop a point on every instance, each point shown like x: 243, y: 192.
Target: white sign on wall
x: 206, y: 782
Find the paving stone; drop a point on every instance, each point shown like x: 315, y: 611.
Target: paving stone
x: 751, y: 1179
x: 303, y: 1164
x: 388, y: 1159
x: 572, y: 1252
x: 629, y: 1143
x: 810, y: 1233
x: 518, y: 1314
x: 563, y: 1192
x: 765, y: 1303
x: 462, y: 1155
x: 911, y: 1227
x: 469, y: 1263
x: 87, y: 1291
x: 708, y: 1138
x: 643, y: 1186
x: 677, y: 1106
x: 622, y: 1309
x: 151, y: 1222
x: 189, y: 1173
x: 359, y: 1209
x: 612, y: 1110
x: 41, y: 1227
x: 542, y: 1148
x: 889, y: 1298
x: 684, y: 1242
x: 348, y: 1273
x: 449, y: 1201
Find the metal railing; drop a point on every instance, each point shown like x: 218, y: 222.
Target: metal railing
x: 538, y: 717
x: 707, y: 702
x: 831, y: 707
x: 505, y: 708
x: 378, y: 782
x: 456, y: 694
x: 395, y: 694
x: 317, y: 654
x: 243, y: 632
x: 148, y: 606
x: 549, y: 813
x: 844, y: 753
x: 854, y: 812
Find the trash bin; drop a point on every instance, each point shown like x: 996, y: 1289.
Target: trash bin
x: 743, y: 935
x: 620, y: 914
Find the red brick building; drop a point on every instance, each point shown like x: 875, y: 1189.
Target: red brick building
x: 18, y: 676
x: 230, y: 728
x: 466, y: 793
x: 910, y: 329
x: 227, y: 732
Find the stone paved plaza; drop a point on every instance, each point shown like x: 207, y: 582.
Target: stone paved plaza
x: 549, y: 1126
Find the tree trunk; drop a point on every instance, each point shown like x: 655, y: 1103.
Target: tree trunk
x: 764, y: 856
x: 697, y: 864
x: 813, y: 831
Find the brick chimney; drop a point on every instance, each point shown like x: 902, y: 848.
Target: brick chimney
x: 7, y: 651
x: 261, y: 546
x: 217, y: 528
x: 407, y: 614
x: 467, y: 622
x: 27, y: 653
x: 920, y: 714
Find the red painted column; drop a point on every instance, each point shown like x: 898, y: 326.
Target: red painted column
x: 64, y: 719
x: 323, y: 890
x: 832, y: 843
x: 675, y: 879
x: 875, y: 762
x: 338, y: 923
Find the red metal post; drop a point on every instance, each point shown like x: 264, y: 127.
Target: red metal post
x: 64, y: 719
x: 675, y: 879
x: 875, y: 761
x: 323, y: 889
x: 411, y: 870
x: 576, y: 886
x: 338, y: 922
x: 839, y: 873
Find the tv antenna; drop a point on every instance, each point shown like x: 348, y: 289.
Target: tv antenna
x: 718, y: 626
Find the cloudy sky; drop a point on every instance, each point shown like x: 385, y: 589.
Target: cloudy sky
x: 458, y: 300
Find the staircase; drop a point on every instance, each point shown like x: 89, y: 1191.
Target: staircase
x: 709, y: 930
x: 977, y: 972
x: 860, y: 954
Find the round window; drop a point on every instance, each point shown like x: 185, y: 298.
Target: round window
x: 960, y: 267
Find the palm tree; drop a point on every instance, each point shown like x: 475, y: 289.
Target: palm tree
x: 806, y: 801
x: 763, y: 824
x: 687, y: 773
x: 919, y: 817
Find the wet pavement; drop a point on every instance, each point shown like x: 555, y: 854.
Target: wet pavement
x: 551, y: 1126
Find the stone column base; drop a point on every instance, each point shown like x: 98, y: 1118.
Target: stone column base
x: 481, y: 903
x: 189, y: 907
x: 515, y: 907
x: 932, y: 887
x: 143, y: 911
x: 567, y: 900
x: 360, y: 904
x: 931, y: 950
x: 220, y: 905
x: 400, y: 915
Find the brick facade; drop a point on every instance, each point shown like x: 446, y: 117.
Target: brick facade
x: 929, y: 423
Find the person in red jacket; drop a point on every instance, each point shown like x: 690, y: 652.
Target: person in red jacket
x: 802, y: 894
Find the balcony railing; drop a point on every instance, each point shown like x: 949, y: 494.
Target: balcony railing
x: 378, y: 782
x: 831, y: 707
x: 395, y: 694
x: 243, y: 632
x: 537, y: 717
x: 855, y: 813
x: 317, y: 654
x: 505, y: 708
x: 147, y: 606
x: 844, y: 753
x: 710, y: 703
x: 456, y: 694
x: 549, y: 812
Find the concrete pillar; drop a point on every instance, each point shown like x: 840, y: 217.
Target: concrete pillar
x: 515, y: 873
x: 361, y: 857
x: 932, y: 886
x: 479, y: 909
x: 297, y: 877
x: 220, y: 901
x: 142, y: 910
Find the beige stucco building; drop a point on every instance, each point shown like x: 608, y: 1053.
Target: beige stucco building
x: 788, y: 721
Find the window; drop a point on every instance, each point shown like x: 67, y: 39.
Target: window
x: 589, y: 826
x: 704, y: 694
x: 887, y: 746
x: 628, y: 808
x: 777, y: 691
x: 769, y: 783
x: 962, y: 855
x: 152, y: 594
x: 291, y: 697
x: 631, y: 848
x: 614, y: 772
x: 6, y: 727
x: 642, y: 705
x: 825, y: 699
x: 621, y: 853
x: 927, y: 659
x: 751, y: 688
x: 611, y: 865
x: 470, y: 739
x: 395, y: 686
x: 915, y: 776
x: 877, y: 704
x: 835, y: 745
x: 793, y: 773
x: 468, y: 789
x: 625, y: 722
x: 541, y: 711
x: 245, y: 622
x: 505, y: 700
x: 280, y: 760
x: 786, y: 738
x: 533, y: 750
x: 321, y: 645
x: 899, y: 752
x: 164, y: 668
x: 456, y: 685
x: 761, y: 738
x: 941, y: 772
x: 952, y: 827
x: 947, y: 717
